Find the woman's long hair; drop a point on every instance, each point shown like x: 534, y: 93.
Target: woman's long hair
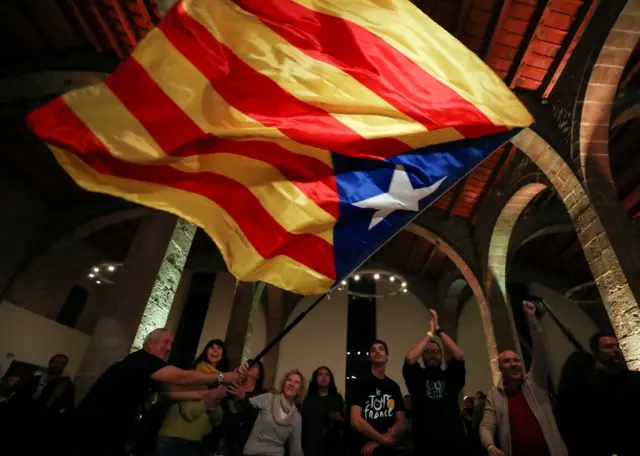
x: 260, y: 380
x: 313, y: 384
x: 223, y: 364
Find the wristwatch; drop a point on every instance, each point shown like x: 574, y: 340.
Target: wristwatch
x: 220, y: 378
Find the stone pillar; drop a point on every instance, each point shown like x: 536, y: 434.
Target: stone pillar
x: 238, y: 328
x: 129, y: 298
x: 276, y: 320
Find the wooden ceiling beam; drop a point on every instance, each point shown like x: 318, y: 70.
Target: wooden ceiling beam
x: 462, y: 17
x: 571, y: 40
x: 493, y: 29
x: 525, y: 49
x: 23, y: 8
x: 490, y: 181
x: 127, y: 22
x: 459, y: 190
x: 77, y: 15
x: 115, y: 44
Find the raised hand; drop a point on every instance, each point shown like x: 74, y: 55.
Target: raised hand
x: 214, y: 397
x: 235, y: 390
x: 435, y: 323
x: 494, y: 451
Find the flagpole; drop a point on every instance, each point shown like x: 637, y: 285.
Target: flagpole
x: 300, y: 317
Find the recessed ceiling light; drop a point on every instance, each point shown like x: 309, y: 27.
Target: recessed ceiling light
x: 356, y: 278
x: 376, y: 276
x: 404, y: 284
x: 392, y: 279
x: 404, y: 290
x: 344, y: 282
x: 111, y: 268
x: 98, y: 282
x: 92, y: 275
x: 96, y: 269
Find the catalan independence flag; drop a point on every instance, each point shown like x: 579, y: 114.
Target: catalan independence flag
x: 299, y: 134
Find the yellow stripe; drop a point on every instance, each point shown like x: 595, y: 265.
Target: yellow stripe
x: 317, y: 83
x: 275, y: 193
x: 108, y: 119
x: 195, y: 96
x: 403, y: 26
x: 241, y: 258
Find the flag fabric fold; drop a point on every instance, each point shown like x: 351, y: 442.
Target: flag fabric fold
x: 299, y: 134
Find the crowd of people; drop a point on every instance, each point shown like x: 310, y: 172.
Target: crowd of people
x: 214, y: 410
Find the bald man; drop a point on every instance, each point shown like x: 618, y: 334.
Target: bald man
x: 519, y: 410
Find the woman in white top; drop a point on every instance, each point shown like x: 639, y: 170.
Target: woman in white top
x: 278, y: 420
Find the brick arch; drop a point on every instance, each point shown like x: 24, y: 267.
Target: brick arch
x: 601, y: 91
x: 474, y: 283
x: 612, y: 283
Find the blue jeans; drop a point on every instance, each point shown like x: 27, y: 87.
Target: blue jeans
x: 173, y: 446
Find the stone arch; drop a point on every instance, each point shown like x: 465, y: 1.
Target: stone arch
x: 601, y: 91
x: 603, y: 260
x: 473, y: 282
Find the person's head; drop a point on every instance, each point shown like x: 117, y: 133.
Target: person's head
x: 292, y: 385
x: 468, y: 402
x: 215, y: 354
x: 57, y: 364
x: 379, y: 353
x: 257, y: 373
x: 510, y: 366
x: 9, y: 381
x: 606, y: 349
x: 158, y: 343
x: 480, y: 397
x: 322, y: 380
x: 432, y: 355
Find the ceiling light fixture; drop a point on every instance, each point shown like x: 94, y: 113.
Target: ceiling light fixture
x: 384, y: 290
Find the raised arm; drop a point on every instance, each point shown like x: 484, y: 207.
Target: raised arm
x: 448, y: 342
x: 418, y: 349
x: 540, y: 355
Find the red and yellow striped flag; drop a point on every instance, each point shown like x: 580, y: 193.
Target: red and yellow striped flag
x: 253, y: 118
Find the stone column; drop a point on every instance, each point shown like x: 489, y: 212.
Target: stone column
x: 153, y: 263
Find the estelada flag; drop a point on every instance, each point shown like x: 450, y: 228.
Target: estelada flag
x: 299, y: 134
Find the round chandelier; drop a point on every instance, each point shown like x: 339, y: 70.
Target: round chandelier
x: 395, y: 283
x: 104, y: 273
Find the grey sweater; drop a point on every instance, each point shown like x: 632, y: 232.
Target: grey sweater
x: 267, y: 437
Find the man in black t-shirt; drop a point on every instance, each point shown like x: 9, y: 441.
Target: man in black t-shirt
x: 105, y: 419
x: 377, y: 409
x: 437, y: 427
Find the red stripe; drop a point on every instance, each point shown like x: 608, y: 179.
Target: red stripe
x: 259, y: 97
x: 58, y: 125
x: 374, y: 63
x: 169, y: 126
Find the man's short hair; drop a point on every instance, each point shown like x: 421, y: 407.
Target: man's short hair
x: 381, y: 342
x: 594, y: 341
x: 59, y: 355
x: 481, y: 395
x: 155, y: 336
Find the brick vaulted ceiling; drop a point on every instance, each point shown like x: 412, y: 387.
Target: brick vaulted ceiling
x: 526, y: 42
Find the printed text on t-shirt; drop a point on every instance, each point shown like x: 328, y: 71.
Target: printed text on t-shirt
x: 379, y: 406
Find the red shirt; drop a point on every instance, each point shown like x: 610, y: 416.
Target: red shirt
x: 526, y: 435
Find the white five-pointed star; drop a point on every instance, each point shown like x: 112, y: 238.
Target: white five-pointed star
x: 401, y: 196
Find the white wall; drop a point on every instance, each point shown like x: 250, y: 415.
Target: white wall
x: 31, y: 338
x: 471, y: 340
x: 401, y: 322
x: 320, y: 339
x: 217, y: 319
x: 572, y: 317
